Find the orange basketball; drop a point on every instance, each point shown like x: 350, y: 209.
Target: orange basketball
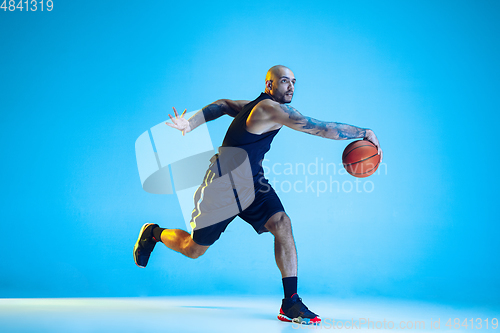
x: 360, y: 158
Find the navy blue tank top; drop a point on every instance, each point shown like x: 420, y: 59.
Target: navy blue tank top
x: 256, y: 145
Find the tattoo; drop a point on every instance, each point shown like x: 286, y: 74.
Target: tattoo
x: 332, y: 130
x: 212, y: 111
x: 292, y: 112
x: 209, y: 113
x: 230, y: 111
x: 346, y: 132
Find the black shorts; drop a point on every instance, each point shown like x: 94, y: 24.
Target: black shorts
x: 217, y: 203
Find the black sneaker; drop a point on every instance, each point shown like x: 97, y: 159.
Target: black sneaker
x: 144, y: 245
x: 293, y: 310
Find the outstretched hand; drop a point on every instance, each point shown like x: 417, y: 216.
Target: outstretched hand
x: 179, y: 122
x: 370, y: 136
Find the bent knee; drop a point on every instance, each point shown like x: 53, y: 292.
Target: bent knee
x: 195, y: 255
x: 278, y: 222
x: 195, y: 251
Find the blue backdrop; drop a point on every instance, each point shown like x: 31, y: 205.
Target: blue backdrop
x: 79, y: 84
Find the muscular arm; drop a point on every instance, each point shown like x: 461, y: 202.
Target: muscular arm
x: 208, y: 113
x: 216, y: 110
x: 292, y: 118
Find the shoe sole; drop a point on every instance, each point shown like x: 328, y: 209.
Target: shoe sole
x: 299, y: 320
x: 284, y: 318
x: 136, y: 246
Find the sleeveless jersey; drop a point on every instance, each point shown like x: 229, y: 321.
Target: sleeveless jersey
x: 256, y: 145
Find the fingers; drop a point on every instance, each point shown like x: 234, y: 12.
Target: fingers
x: 174, y: 124
x: 373, y: 139
x: 380, y: 152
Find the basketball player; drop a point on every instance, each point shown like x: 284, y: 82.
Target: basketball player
x: 255, y: 125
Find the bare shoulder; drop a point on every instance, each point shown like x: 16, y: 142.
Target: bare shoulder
x: 277, y: 111
x: 269, y: 115
x: 269, y: 107
x: 264, y: 110
x: 262, y: 117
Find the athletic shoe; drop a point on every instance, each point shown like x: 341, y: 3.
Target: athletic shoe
x: 293, y: 310
x: 144, y: 245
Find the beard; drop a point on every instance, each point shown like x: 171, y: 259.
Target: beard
x: 283, y: 98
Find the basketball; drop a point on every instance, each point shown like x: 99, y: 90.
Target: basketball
x: 360, y: 158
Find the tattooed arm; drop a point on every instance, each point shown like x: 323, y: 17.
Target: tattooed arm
x: 208, y: 113
x: 290, y: 117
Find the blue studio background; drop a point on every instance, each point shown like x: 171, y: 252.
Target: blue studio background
x: 79, y: 84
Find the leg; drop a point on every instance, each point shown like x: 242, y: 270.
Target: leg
x: 284, y: 245
x: 204, y: 198
x: 177, y: 240
x: 181, y: 241
x: 292, y: 309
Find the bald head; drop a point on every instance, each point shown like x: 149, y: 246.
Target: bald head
x: 275, y: 71
x: 280, y: 83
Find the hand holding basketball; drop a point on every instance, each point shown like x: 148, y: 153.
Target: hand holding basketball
x: 361, y: 158
x: 370, y: 136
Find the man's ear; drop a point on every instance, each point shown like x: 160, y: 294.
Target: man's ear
x: 269, y: 84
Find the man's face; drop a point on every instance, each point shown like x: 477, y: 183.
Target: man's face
x: 282, y: 86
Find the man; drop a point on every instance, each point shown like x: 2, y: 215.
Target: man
x: 254, y: 126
